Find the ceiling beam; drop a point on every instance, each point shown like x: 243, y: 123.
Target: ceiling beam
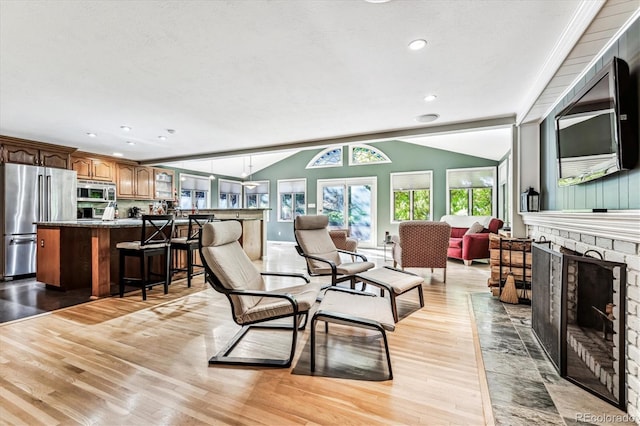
x: 351, y: 139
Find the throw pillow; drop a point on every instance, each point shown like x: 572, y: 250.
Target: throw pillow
x: 474, y: 229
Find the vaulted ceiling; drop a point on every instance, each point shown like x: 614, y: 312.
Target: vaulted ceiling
x: 224, y: 78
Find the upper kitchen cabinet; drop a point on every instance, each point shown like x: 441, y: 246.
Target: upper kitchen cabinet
x: 134, y: 182
x: 164, y: 181
x: 22, y: 151
x: 94, y: 168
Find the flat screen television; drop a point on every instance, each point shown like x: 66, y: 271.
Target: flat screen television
x: 596, y: 133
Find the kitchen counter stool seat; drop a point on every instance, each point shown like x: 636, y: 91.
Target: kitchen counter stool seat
x: 155, y: 241
x: 189, y: 244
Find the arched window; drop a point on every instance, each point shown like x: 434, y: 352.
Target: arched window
x: 366, y: 154
x: 330, y: 157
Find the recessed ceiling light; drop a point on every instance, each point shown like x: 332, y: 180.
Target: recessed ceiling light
x: 377, y: 1
x: 427, y: 118
x: 417, y: 44
x: 162, y: 138
x: 125, y: 128
x: 117, y: 154
x: 430, y: 98
x: 130, y: 143
x: 91, y: 135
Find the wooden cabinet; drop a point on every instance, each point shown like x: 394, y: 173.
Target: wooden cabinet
x: 94, y: 168
x: 163, y: 180
x: 48, y: 256
x: 134, y: 182
x: 22, y: 151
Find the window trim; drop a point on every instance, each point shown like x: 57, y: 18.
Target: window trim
x: 311, y: 165
x: 494, y: 189
x: 192, y: 176
x: 245, y: 193
x: 386, y: 158
x: 240, y: 193
x: 279, y: 206
x: 391, y: 191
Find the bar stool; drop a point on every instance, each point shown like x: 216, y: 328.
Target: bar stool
x: 189, y: 244
x: 155, y: 241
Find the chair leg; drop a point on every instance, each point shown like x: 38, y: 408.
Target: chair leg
x: 189, y: 267
x: 143, y: 276
x: 420, y: 295
x: 167, y: 270
x: 121, y: 281
x: 445, y: 275
x: 313, y: 344
x: 394, y: 308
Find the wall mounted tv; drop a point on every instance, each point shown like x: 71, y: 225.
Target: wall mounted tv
x: 596, y: 133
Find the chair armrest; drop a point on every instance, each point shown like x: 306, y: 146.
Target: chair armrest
x: 353, y: 253
x: 350, y: 290
x: 263, y: 293
x: 334, y: 269
x: 475, y: 246
x: 287, y: 274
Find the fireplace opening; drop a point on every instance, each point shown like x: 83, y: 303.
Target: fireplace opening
x: 586, y: 344
x: 593, y: 353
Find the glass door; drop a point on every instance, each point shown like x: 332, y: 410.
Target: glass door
x: 350, y: 203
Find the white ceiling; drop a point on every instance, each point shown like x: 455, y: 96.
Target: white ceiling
x: 229, y: 76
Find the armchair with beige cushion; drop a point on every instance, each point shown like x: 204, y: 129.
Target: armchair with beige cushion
x: 230, y: 272
x: 314, y: 243
x: 421, y: 244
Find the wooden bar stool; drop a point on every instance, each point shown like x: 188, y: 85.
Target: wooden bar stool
x: 155, y: 241
x: 189, y: 244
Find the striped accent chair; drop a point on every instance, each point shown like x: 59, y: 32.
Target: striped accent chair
x: 422, y: 244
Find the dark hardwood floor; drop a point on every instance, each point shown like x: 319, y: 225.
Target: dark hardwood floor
x: 27, y: 297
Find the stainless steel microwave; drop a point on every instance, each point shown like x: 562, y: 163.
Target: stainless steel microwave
x: 97, y: 192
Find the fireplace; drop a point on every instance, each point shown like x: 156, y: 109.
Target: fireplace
x: 578, y: 315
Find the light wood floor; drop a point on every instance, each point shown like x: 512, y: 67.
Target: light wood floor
x: 128, y: 362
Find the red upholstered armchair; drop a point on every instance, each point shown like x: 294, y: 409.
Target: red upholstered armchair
x: 470, y: 246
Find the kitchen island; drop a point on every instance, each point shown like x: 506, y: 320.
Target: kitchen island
x: 79, y: 253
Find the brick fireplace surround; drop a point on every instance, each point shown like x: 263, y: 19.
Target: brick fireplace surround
x: 616, y: 235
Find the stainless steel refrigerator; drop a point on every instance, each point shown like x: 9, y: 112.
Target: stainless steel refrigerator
x: 31, y: 194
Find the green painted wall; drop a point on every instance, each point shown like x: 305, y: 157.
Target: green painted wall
x: 405, y: 157
x: 618, y: 191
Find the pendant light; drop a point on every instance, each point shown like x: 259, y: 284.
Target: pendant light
x: 211, y: 176
x: 250, y: 184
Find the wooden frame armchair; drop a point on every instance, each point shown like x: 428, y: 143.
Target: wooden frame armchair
x: 314, y: 243
x: 230, y: 272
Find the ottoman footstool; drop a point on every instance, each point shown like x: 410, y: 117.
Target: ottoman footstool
x: 395, y: 281
x: 356, y: 309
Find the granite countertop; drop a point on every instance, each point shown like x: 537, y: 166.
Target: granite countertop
x: 117, y: 223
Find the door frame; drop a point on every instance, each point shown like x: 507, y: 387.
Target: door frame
x: 364, y: 180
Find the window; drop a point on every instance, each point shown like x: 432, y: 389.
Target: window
x: 471, y: 192
x: 257, y: 197
x: 365, y: 154
x: 292, y: 199
x: 330, y: 157
x: 411, y: 196
x: 229, y: 194
x: 194, y: 192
